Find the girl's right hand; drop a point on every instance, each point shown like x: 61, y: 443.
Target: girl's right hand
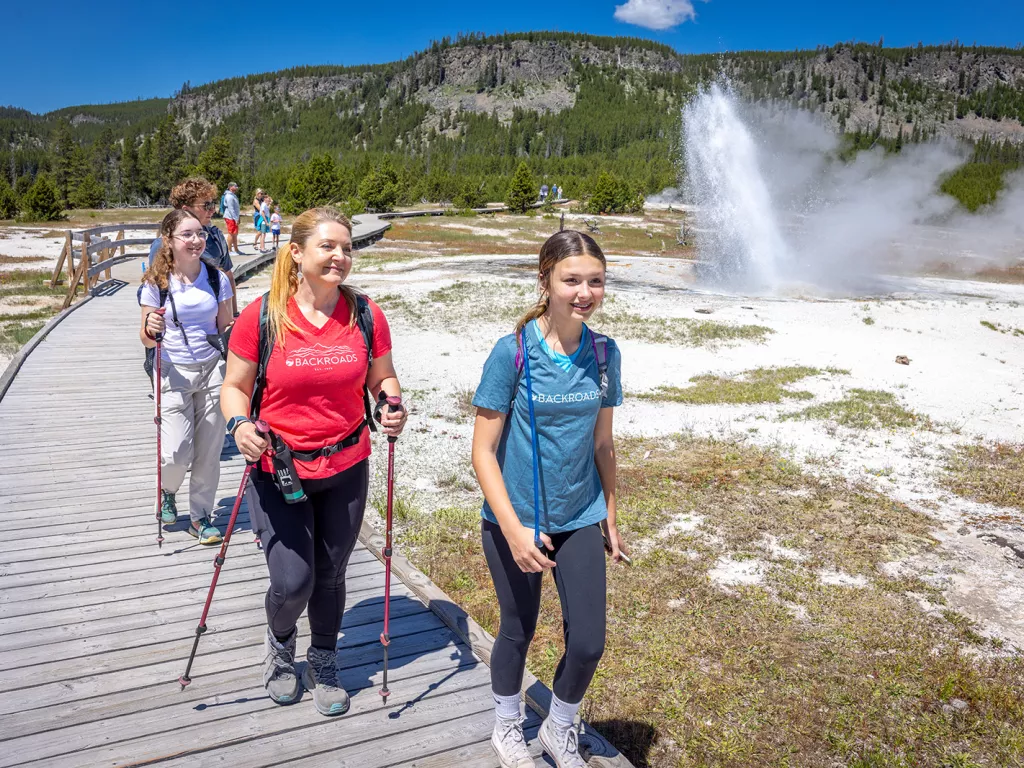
x: 249, y: 442
x: 528, y: 557
x: 155, y: 324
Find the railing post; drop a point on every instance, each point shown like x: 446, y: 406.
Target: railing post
x: 82, y: 271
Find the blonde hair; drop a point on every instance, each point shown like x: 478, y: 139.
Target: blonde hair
x: 285, y: 280
x: 162, y: 262
x: 560, y: 245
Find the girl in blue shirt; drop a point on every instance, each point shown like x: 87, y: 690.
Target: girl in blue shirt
x: 575, y: 455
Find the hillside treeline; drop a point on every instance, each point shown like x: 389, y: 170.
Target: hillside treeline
x: 444, y: 126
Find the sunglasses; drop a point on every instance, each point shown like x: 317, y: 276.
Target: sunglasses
x: 209, y: 205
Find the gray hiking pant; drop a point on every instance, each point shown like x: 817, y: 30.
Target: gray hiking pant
x: 192, y: 431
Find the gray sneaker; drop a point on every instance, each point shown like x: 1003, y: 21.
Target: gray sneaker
x: 321, y: 677
x: 509, y: 744
x: 279, y: 678
x: 563, y: 746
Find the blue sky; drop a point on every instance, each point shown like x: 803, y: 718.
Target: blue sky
x: 56, y: 54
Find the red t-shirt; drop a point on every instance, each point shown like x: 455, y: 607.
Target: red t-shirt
x: 314, y: 391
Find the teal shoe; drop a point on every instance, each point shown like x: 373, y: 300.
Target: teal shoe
x: 205, y: 531
x: 168, y: 509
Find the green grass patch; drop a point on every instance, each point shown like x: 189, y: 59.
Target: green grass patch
x: 25, y: 282
x: 679, y: 331
x: 760, y: 385
x: 865, y: 409
x: 699, y: 676
x: 990, y: 474
x: 999, y: 328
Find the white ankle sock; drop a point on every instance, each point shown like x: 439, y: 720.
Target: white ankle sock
x: 562, y: 713
x: 506, y: 707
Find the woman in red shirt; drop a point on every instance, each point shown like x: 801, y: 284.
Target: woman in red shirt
x: 313, y: 401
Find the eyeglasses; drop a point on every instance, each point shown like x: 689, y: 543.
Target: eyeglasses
x: 209, y: 205
x: 188, y: 236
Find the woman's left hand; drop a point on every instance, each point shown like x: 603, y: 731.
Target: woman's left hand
x: 392, y: 420
x: 615, y: 542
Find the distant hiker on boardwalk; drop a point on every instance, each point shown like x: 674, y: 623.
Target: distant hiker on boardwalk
x: 275, y: 226
x: 198, y: 196
x: 232, y: 217
x: 543, y: 192
x: 543, y: 453
x: 323, y: 345
x: 257, y: 201
x: 192, y: 428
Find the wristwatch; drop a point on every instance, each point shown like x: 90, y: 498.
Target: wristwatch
x: 235, y: 422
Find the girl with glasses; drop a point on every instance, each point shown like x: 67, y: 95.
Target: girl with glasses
x: 192, y: 427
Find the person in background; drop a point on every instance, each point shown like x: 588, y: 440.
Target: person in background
x: 191, y: 423
x: 264, y: 223
x: 275, y: 226
x: 256, y: 202
x: 198, y: 196
x: 543, y: 192
x: 232, y: 217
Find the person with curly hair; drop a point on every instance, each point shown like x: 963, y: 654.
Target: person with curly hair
x: 191, y: 424
x: 199, y: 197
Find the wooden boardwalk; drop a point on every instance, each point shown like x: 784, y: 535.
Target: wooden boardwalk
x: 96, y: 622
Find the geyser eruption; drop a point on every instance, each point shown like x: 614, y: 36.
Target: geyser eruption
x: 741, y: 246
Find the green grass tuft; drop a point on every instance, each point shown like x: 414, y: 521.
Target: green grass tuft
x: 865, y: 409
x: 761, y: 385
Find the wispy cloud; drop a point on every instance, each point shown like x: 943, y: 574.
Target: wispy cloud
x: 656, y: 14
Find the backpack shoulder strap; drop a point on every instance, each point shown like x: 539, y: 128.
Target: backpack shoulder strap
x: 266, y: 347
x: 213, y: 276
x: 600, y: 344
x: 364, y: 319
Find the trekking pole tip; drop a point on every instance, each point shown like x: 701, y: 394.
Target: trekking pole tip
x: 384, y: 693
x: 184, y: 681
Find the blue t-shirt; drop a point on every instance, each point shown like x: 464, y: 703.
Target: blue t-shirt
x: 566, y: 405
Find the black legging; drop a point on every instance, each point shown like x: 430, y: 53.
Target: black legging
x: 307, y: 547
x: 580, y: 580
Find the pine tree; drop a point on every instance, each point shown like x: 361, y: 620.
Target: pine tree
x: 522, y: 190
x: 42, y: 202
x: 379, y: 188
x: 217, y: 161
x: 88, y: 194
x: 8, y: 201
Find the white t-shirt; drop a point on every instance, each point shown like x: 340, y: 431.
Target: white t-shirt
x: 197, y: 316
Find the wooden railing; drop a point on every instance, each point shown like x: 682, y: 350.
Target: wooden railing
x: 96, y: 255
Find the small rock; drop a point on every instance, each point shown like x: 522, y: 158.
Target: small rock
x: 704, y: 311
x: 963, y: 530
x: 902, y: 359
x: 959, y: 705
x: 746, y: 307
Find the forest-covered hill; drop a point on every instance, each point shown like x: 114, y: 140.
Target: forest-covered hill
x: 458, y: 118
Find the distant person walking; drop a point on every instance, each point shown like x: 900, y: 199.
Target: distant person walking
x: 191, y: 425
x: 257, y: 201
x: 555, y: 192
x: 198, y: 196
x: 264, y: 221
x: 543, y: 192
x: 232, y: 217
x: 275, y: 226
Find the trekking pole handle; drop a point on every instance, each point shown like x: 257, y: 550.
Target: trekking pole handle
x: 392, y: 401
x: 159, y: 337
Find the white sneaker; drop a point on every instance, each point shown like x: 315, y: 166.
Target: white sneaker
x: 509, y: 744
x: 563, y: 746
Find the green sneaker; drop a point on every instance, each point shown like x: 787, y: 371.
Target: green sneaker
x: 168, y: 509
x: 205, y: 531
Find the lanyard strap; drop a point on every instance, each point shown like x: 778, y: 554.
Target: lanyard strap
x: 533, y: 440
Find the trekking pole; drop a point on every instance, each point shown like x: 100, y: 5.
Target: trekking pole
x: 536, y: 448
x: 385, y: 637
x: 262, y: 428
x: 159, y: 442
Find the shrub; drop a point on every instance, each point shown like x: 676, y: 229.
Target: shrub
x: 42, y: 201
x: 88, y: 194
x: 8, y: 200
x: 612, y: 195
x: 379, y: 188
x: 521, y: 190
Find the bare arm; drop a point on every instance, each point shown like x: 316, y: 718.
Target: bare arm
x: 604, y: 458
x: 239, y: 380
x: 225, y: 317
x: 152, y: 321
x: 383, y: 378
x: 486, y: 436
